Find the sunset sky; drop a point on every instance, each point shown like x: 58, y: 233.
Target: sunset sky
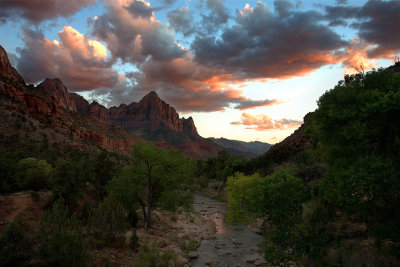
x: 245, y: 70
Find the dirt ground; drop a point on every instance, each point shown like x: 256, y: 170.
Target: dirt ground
x: 23, y: 205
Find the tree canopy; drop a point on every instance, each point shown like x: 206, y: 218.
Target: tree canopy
x: 357, y: 127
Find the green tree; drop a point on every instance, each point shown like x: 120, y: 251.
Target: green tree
x: 154, y: 172
x: 15, y: 245
x: 60, y: 238
x: 109, y: 219
x: 32, y: 173
x: 68, y: 181
x: 245, y: 198
x: 277, y: 198
x: 357, y: 128
x: 284, y: 195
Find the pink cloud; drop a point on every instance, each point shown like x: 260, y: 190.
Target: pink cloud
x: 37, y: 11
x: 265, y: 122
x: 81, y: 63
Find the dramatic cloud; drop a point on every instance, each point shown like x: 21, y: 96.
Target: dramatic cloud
x: 380, y: 27
x: 264, y: 45
x: 283, y: 7
x: 265, y: 122
x: 217, y: 16
x: 81, y: 63
x: 182, y: 20
x: 141, y: 9
x: 132, y: 33
x: 37, y: 11
x: 377, y: 24
x: 189, y: 86
x: 225, y: 51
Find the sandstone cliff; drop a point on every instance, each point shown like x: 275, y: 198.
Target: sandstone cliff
x: 51, y: 104
x: 112, y: 128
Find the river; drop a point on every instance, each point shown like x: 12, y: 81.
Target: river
x: 233, y: 245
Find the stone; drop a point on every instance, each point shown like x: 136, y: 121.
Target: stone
x: 193, y: 254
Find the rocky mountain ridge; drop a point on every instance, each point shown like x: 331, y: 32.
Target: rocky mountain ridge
x: 150, y: 118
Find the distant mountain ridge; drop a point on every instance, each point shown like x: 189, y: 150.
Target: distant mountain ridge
x: 150, y: 118
x: 241, y: 148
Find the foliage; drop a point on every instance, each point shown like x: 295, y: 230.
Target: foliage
x: 15, y: 245
x: 172, y: 199
x: 124, y: 189
x: 220, y: 167
x: 109, y: 219
x: 152, y: 257
x: 68, y: 181
x: 357, y: 126
x: 155, y: 171
x: 60, y: 238
x: 31, y: 173
x: 104, y: 169
x: 132, y: 217
x: 245, y: 198
x: 284, y: 195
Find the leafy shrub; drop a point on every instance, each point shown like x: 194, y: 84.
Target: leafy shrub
x: 60, y: 238
x: 109, y: 219
x: 15, y: 245
x: 32, y: 173
x: 152, y: 257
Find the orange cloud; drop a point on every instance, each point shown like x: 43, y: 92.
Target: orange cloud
x: 356, y: 59
x: 265, y: 122
x: 81, y: 63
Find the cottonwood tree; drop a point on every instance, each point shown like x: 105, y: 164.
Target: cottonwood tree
x: 155, y: 172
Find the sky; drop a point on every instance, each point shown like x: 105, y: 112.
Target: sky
x: 244, y: 70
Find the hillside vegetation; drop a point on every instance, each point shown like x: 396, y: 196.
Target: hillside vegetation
x: 334, y: 202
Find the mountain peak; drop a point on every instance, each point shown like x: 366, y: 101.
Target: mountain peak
x: 152, y: 96
x: 6, y: 70
x: 56, y: 88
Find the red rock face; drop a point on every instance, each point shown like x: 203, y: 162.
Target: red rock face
x: 297, y: 140
x: 99, y: 112
x: 81, y: 104
x: 50, y: 102
x: 150, y: 113
x: 57, y: 89
x: 6, y: 70
x: 188, y: 126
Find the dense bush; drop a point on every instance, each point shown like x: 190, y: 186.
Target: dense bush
x: 109, y: 219
x: 15, y: 245
x: 357, y: 127
x: 60, y: 238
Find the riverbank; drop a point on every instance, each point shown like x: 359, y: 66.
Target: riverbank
x: 232, y: 245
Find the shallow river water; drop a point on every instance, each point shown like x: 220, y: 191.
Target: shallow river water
x: 233, y: 245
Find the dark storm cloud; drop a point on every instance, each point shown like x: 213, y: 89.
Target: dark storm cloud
x: 141, y: 9
x: 133, y: 38
x: 341, y: 12
x: 341, y: 2
x: 189, y: 86
x: 182, y: 20
x: 381, y: 26
x: 262, y: 44
x: 168, y: 2
x: 217, y: 16
x: 37, y: 11
x: 283, y: 7
x: 376, y: 21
